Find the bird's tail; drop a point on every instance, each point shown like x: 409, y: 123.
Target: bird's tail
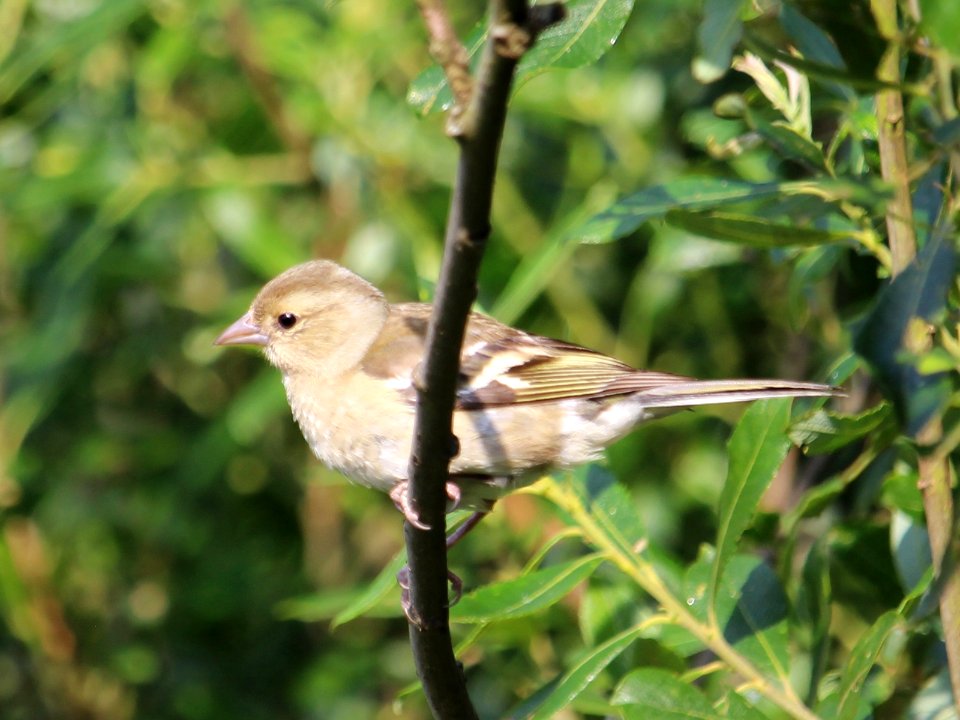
x: 714, y: 392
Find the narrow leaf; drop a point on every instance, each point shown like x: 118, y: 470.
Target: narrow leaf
x: 579, y: 677
x: 524, y: 595
x: 654, y: 693
x: 382, y: 585
x: 825, y: 431
x: 862, y: 659
x: 750, y: 610
x: 920, y: 291
x: 740, y: 709
x: 590, y: 29
x: 757, y: 448
x: 707, y: 193
x: 754, y: 231
x: 815, y: 45
x: 718, y: 35
x: 693, y: 193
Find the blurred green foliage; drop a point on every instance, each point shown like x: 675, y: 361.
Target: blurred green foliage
x: 164, y: 532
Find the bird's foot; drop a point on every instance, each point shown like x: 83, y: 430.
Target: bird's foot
x: 403, y: 580
x: 400, y: 494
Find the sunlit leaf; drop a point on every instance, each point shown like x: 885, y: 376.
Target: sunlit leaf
x: 524, y: 595
x: 941, y: 22
x: 751, y: 610
x: 825, y: 431
x: 584, y: 672
x: 757, y: 448
x: 655, y: 693
x: 590, y: 29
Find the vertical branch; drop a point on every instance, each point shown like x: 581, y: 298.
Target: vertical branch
x: 933, y: 470
x: 891, y: 137
x: 512, y: 31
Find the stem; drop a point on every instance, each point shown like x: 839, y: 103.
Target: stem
x: 933, y: 469
x: 448, y: 51
x: 468, y: 227
x: 645, y: 575
x: 892, y: 139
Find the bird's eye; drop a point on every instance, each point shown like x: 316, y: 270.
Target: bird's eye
x: 286, y: 320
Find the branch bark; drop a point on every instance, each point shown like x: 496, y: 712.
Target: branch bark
x: 512, y: 31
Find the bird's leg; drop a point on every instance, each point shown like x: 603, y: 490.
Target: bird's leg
x: 400, y: 494
x: 456, y: 584
x: 469, y: 524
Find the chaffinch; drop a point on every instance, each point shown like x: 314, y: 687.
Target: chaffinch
x: 525, y: 403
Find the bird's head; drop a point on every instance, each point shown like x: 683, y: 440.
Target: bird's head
x: 316, y: 317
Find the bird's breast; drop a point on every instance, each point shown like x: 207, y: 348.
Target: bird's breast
x: 350, y: 430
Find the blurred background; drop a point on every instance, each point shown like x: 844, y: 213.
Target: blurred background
x: 162, y: 523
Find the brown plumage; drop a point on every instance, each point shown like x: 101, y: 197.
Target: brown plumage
x: 525, y: 403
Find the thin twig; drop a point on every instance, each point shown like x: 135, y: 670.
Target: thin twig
x: 448, y: 51
x: 468, y: 226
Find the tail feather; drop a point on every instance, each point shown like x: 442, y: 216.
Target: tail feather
x: 715, y: 392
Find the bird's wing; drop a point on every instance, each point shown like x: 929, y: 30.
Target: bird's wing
x: 502, y: 366
x: 525, y: 368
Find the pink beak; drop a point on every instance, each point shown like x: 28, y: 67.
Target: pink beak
x: 243, y: 332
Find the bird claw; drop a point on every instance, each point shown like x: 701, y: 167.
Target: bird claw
x: 403, y: 580
x: 400, y: 494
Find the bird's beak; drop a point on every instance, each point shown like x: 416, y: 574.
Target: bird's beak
x: 243, y: 332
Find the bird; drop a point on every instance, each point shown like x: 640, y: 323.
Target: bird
x: 525, y: 404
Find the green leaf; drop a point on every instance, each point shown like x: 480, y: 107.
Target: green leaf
x: 321, y: 606
x: 825, y: 431
x: 788, y: 142
x: 382, y: 585
x: 740, y: 709
x: 707, y: 193
x: 590, y: 29
x: 429, y: 92
x: 813, y: 610
x: 605, y: 610
x: 717, y: 37
x: 920, y: 291
x: 757, y: 448
x: 692, y: 193
x: 751, y: 610
x: 749, y: 230
x: 579, y: 677
x: 815, y: 500
x: 524, y: 595
x: 911, y: 549
x: 815, y: 45
x: 941, y: 21
x: 862, y: 659
x: 654, y: 693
